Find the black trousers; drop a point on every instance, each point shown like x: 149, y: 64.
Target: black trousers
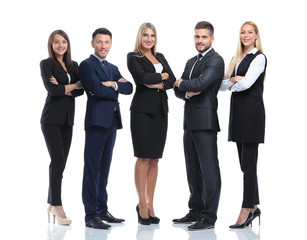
x: 203, y: 172
x: 58, y: 140
x: 248, y: 155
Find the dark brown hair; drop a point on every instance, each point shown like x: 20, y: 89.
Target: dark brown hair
x: 67, y: 55
x: 205, y: 25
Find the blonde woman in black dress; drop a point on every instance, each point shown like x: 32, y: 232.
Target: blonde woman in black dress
x: 149, y: 110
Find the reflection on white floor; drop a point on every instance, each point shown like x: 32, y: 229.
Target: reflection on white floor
x: 58, y: 232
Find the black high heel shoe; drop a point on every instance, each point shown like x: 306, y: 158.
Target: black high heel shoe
x: 143, y: 221
x: 246, y: 223
x: 257, y: 213
x: 154, y: 220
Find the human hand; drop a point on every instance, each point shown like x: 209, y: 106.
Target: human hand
x: 53, y: 80
x: 192, y: 94
x: 122, y: 80
x: 78, y: 85
x: 157, y: 86
x: 164, y: 76
x: 236, y: 79
x: 176, y: 83
x: 110, y: 84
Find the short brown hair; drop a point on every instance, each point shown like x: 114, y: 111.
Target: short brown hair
x: 205, y: 25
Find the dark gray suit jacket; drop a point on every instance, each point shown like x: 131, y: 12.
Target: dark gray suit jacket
x: 200, y: 112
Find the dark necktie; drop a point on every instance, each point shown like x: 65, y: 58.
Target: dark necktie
x: 105, y: 66
x: 199, y: 56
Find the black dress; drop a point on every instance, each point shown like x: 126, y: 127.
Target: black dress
x: 149, y: 107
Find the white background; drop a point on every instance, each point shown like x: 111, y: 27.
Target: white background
x: 25, y: 28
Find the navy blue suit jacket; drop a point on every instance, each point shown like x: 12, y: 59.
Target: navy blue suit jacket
x: 103, y: 102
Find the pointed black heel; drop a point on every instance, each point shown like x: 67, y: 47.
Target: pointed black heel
x: 247, y: 222
x: 143, y: 221
x: 257, y: 213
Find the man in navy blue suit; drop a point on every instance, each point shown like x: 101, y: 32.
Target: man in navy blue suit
x: 102, y: 82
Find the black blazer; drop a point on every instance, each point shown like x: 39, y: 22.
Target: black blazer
x: 247, y: 113
x: 148, y: 100
x: 200, y: 112
x: 59, y: 108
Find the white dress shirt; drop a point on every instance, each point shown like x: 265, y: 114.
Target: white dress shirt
x: 158, y: 67
x: 255, y: 69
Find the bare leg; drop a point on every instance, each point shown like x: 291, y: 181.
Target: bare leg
x: 60, y: 211
x: 140, y: 178
x: 243, y: 215
x: 254, y: 209
x: 151, y: 184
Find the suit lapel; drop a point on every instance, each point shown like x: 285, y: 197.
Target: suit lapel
x: 199, y: 66
x: 99, y: 66
x: 207, y: 55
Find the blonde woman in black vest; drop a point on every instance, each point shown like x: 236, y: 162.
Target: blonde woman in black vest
x: 244, y: 78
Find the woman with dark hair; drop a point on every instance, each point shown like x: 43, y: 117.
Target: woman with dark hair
x: 245, y: 77
x: 149, y: 109
x: 60, y: 78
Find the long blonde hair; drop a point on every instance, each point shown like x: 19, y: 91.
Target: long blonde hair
x: 241, y: 48
x: 138, y: 42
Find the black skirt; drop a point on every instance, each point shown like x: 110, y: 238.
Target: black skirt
x: 148, y: 133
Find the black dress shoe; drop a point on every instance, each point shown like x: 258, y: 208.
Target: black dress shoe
x: 248, y: 221
x: 201, y: 224
x: 109, y: 218
x: 97, y: 223
x: 189, y: 218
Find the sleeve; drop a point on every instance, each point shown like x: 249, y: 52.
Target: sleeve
x: 46, y: 73
x: 212, y: 74
x: 226, y: 84
x: 168, y: 84
x: 138, y: 73
x: 77, y: 92
x: 91, y: 82
x: 255, y: 69
x: 182, y: 94
x: 125, y: 88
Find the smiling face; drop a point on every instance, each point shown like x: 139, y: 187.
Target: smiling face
x: 148, y: 39
x: 102, y: 44
x: 248, y: 37
x: 203, y: 40
x: 59, y: 45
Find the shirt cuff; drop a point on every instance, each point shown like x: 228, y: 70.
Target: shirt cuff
x: 186, y: 95
x: 116, y: 86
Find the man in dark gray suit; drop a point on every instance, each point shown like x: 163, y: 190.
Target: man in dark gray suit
x: 198, y: 87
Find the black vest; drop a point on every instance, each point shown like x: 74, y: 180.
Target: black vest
x: 247, y: 114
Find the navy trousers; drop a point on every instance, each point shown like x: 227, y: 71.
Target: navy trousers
x: 99, y: 144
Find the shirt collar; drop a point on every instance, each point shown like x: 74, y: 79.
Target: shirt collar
x: 253, y: 51
x: 204, y: 53
x: 100, y: 60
